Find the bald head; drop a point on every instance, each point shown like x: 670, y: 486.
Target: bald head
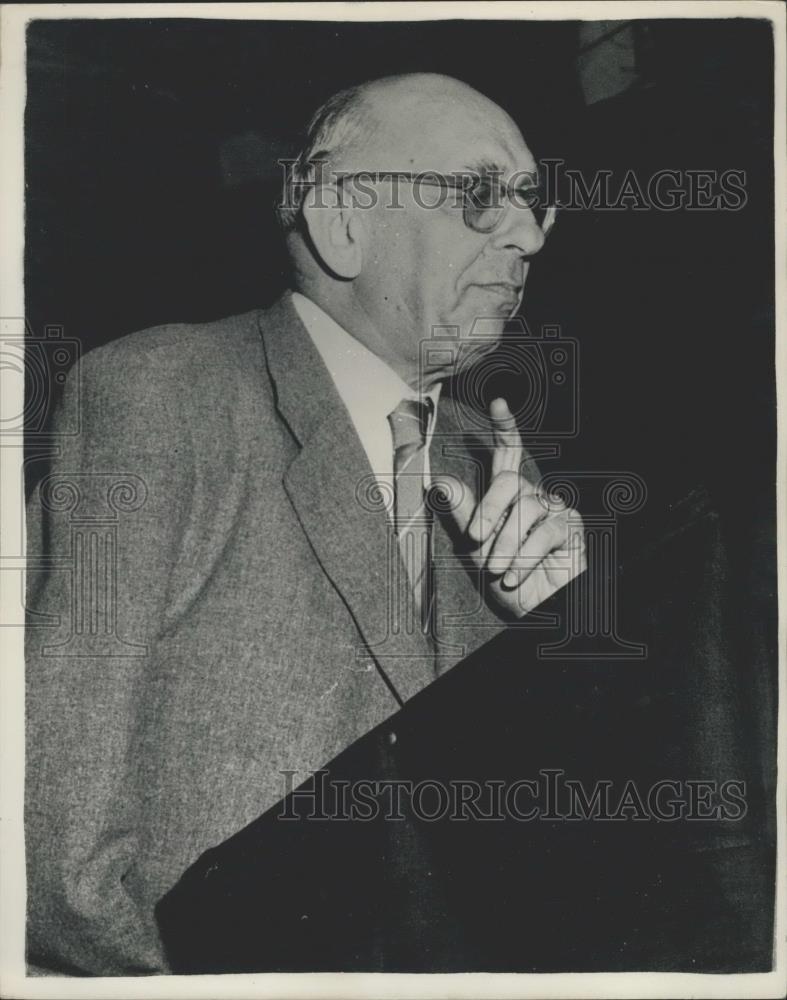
x: 412, y: 116
x: 384, y: 261
x: 409, y: 122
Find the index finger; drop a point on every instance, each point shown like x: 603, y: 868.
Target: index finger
x: 508, y: 443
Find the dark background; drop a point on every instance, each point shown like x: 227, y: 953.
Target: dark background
x: 150, y: 170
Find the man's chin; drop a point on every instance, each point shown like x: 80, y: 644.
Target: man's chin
x: 478, y: 345
x: 457, y: 344
x: 484, y: 331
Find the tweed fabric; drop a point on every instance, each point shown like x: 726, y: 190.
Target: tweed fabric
x: 249, y: 631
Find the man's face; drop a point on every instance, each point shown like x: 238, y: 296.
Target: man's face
x: 424, y: 267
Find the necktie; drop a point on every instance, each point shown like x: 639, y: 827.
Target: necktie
x: 412, y: 518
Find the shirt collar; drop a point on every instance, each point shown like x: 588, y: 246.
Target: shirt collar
x: 369, y: 388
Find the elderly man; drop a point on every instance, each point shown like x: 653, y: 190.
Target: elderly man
x: 246, y: 573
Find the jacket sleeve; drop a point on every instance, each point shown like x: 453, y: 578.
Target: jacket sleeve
x: 103, y: 529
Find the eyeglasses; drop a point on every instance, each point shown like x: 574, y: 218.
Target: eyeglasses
x: 484, y: 199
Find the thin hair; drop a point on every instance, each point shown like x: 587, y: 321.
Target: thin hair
x: 334, y: 127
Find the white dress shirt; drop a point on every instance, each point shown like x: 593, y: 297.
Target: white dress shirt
x: 368, y: 387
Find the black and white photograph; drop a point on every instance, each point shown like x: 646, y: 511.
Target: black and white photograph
x: 391, y: 487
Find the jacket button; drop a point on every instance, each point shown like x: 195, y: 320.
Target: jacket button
x: 392, y: 738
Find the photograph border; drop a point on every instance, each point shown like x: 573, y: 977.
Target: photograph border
x: 13, y: 980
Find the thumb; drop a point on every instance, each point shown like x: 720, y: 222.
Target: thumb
x: 449, y: 495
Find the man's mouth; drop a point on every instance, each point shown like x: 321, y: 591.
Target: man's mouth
x: 507, y: 295
x: 504, y: 289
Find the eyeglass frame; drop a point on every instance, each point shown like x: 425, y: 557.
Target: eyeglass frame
x: 445, y: 183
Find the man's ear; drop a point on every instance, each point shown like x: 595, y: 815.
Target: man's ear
x: 334, y: 229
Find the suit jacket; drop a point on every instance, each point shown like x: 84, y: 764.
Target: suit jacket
x: 208, y: 608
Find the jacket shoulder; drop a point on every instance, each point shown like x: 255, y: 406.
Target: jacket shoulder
x: 209, y: 379
x: 221, y: 344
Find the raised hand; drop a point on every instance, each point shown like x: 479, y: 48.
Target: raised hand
x: 531, y: 544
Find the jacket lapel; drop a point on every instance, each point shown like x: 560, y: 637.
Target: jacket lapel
x: 331, y: 487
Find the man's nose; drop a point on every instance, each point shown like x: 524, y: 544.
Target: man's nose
x: 520, y: 230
